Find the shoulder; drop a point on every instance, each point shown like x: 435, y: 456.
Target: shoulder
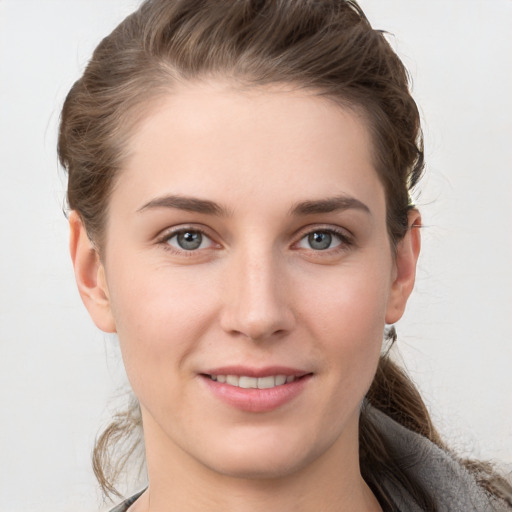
x: 441, y: 475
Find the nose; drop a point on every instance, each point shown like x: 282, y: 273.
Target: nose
x: 257, y: 299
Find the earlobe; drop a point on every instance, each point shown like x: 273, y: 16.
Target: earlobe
x: 407, y: 253
x: 90, y: 275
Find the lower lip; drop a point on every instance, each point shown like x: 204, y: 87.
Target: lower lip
x: 256, y: 400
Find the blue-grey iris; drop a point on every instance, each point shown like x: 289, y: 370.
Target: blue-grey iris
x: 189, y: 240
x: 320, y: 240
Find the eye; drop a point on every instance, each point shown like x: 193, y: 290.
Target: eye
x: 189, y: 240
x: 321, y: 240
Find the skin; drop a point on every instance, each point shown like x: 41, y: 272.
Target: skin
x: 255, y: 293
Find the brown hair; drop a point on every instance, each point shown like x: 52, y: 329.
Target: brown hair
x: 327, y: 46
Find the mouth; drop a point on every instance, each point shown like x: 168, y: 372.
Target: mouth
x: 256, y: 390
x: 248, y: 382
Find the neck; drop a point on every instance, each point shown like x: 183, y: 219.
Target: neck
x: 178, y: 482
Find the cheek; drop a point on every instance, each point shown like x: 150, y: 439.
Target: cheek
x: 347, y: 317
x: 350, y: 303
x: 160, y: 318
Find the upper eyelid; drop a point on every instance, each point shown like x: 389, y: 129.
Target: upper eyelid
x: 169, y: 232
x: 337, y: 230
x: 345, y: 237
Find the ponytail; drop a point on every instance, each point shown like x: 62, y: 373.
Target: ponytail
x: 393, y: 393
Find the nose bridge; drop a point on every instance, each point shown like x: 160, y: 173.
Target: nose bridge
x: 256, y: 304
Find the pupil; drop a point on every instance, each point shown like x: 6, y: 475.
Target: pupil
x: 320, y: 240
x: 189, y: 240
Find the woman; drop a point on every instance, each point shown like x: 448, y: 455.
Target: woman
x: 239, y: 186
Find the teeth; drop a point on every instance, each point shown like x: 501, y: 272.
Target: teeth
x: 246, y: 382
x: 266, y: 382
x: 280, y: 380
x: 232, y: 379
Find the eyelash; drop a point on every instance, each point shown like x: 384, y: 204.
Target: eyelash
x: 345, y: 240
x: 169, y: 235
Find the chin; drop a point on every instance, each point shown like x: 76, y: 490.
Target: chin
x: 264, y: 455
x: 259, y: 467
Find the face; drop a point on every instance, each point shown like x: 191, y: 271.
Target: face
x: 248, y: 272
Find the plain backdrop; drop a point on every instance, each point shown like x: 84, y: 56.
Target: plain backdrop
x: 59, y: 376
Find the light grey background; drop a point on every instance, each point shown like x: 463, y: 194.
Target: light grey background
x: 59, y: 375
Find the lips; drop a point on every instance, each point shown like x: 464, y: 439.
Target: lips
x: 256, y: 390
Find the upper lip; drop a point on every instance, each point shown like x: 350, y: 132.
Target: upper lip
x: 257, y: 372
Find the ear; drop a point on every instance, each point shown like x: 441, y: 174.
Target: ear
x: 406, y: 257
x: 90, y: 275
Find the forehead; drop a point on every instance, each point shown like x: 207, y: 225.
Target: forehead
x: 274, y: 143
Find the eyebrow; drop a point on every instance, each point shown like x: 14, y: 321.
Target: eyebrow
x: 329, y: 205
x: 189, y: 204
x: 207, y: 207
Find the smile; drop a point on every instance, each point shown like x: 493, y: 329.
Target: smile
x: 246, y: 382
x: 256, y: 390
